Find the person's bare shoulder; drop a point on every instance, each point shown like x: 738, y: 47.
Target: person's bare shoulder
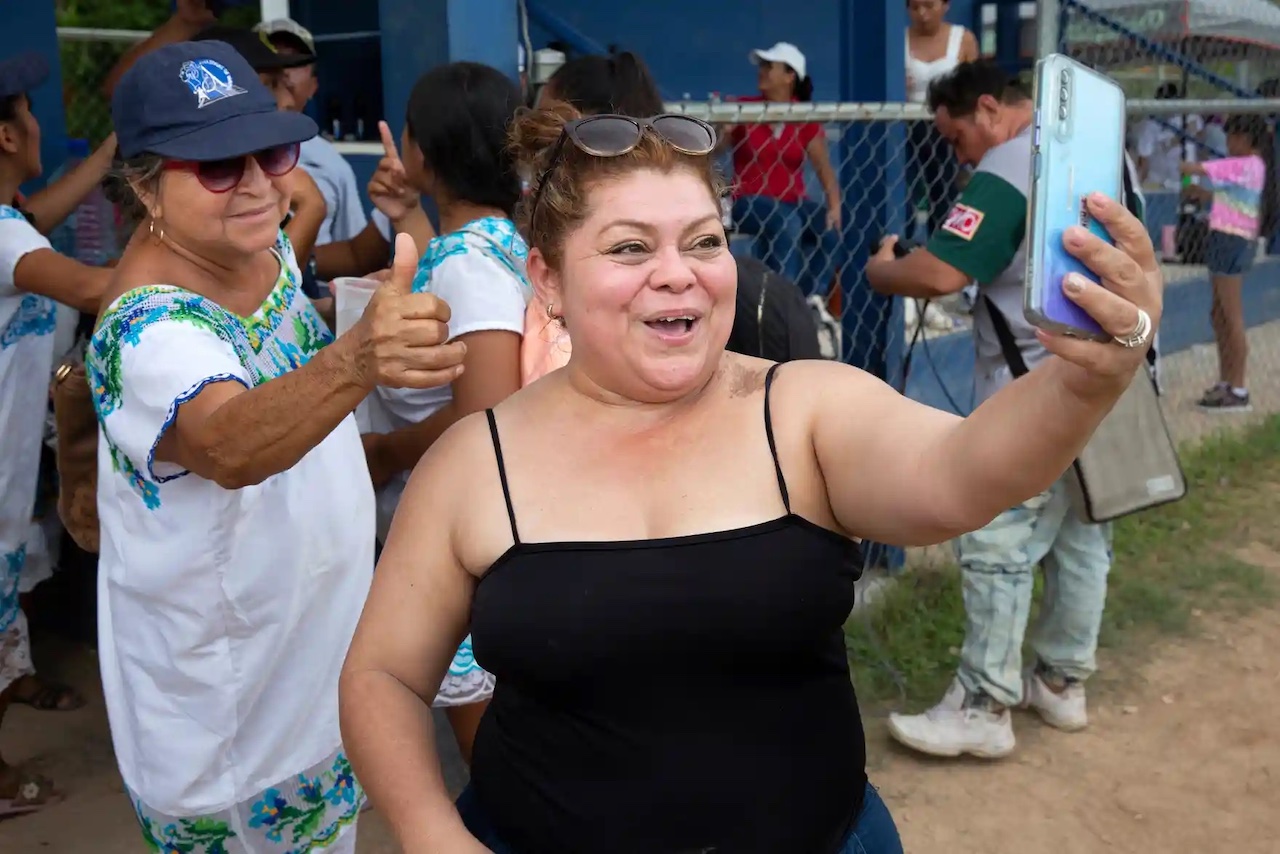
x: 456, y: 476
x: 800, y: 387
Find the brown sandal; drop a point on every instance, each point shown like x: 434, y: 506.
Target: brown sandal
x: 46, y: 696
x: 34, y: 793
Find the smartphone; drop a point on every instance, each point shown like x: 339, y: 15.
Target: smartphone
x: 1077, y: 149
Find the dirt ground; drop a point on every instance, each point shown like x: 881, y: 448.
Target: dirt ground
x: 1180, y: 755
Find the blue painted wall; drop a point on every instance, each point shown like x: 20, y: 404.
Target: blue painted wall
x: 702, y: 47
x: 349, y: 70
x: 32, y: 26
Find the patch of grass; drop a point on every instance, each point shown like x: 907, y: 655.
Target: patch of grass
x: 1169, y: 562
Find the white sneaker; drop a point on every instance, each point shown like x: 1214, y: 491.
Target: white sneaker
x: 1066, y: 711
x: 951, y: 729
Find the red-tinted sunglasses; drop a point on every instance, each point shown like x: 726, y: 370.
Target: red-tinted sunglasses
x: 223, y: 176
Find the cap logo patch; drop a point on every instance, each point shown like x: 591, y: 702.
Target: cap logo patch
x: 209, y: 81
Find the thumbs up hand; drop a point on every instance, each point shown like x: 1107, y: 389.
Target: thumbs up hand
x: 401, y: 335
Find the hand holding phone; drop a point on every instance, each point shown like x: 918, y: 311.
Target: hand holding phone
x: 1078, y: 149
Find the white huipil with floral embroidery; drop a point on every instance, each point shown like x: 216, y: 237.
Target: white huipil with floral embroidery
x: 224, y: 615
x: 27, y: 323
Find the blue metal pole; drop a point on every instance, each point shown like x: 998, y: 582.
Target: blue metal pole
x: 871, y: 172
x: 418, y: 35
x: 33, y: 27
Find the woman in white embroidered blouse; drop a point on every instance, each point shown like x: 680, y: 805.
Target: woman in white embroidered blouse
x: 236, y: 508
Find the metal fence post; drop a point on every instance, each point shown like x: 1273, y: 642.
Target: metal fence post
x: 1049, y: 34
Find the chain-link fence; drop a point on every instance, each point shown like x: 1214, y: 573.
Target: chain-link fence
x: 87, y: 55
x: 815, y: 188
x: 1203, y: 79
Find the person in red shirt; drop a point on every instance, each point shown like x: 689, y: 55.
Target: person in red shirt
x: 794, y: 234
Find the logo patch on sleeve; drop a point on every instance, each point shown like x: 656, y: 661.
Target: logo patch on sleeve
x: 963, y: 221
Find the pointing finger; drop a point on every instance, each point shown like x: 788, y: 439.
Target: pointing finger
x: 389, y: 142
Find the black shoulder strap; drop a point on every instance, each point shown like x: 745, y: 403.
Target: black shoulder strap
x: 1130, y: 197
x: 1008, y: 346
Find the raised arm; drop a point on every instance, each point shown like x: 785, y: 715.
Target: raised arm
x: 51, y: 205
x: 391, y: 193
x: 237, y: 436
x: 902, y: 473
x: 189, y: 18
x: 820, y: 157
x: 414, y: 619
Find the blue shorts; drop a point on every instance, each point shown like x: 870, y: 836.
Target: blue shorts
x: 1229, y: 254
x: 873, y: 833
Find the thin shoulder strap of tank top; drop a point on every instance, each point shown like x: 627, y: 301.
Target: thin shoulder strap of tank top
x: 502, y: 475
x: 768, y: 432
x: 954, y: 39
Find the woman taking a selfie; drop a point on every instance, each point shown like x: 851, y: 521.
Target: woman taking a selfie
x: 655, y: 547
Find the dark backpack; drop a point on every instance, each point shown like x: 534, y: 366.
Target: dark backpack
x: 773, y: 320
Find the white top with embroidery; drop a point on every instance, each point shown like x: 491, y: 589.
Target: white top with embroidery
x: 27, y: 324
x: 224, y: 615
x: 479, y: 271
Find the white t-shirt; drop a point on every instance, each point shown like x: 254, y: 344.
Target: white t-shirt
x: 1164, y: 151
x: 336, y: 179
x: 479, y: 271
x: 383, y: 223
x: 224, y: 615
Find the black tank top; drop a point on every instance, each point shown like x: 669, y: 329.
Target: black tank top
x: 671, y: 696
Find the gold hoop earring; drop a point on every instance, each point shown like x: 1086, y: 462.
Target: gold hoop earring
x: 557, y: 319
x: 158, y: 237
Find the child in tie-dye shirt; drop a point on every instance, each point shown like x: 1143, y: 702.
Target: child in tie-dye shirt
x: 1239, y: 183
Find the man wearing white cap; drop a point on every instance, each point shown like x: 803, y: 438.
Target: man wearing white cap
x: 331, y: 171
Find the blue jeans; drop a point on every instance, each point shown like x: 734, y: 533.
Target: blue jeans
x: 873, y: 833
x: 791, y: 238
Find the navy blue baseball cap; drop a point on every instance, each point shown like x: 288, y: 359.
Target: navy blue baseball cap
x: 22, y: 73
x: 200, y: 101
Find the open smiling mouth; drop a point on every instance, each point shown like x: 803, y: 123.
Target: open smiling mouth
x: 673, y: 325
